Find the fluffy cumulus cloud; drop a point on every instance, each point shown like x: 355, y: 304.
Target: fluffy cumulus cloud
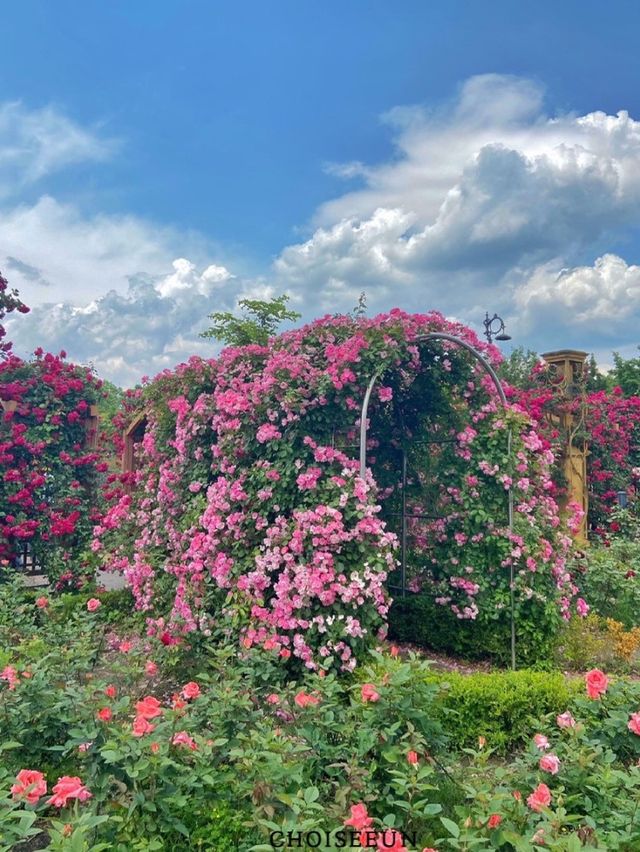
x: 489, y: 202
x: 602, y: 299
x: 477, y: 195
x: 152, y: 326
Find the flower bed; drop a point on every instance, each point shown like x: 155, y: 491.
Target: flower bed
x: 114, y: 741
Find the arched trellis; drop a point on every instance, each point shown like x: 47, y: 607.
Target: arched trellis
x: 364, y: 425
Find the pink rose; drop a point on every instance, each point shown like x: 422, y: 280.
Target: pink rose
x: 68, y: 787
x: 541, y: 742
x: 597, y: 683
x: 30, y: 785
x: 151, y: 668
x: 42, y: 603
x: 369, y: 693
x: 93, y: 604
x: 565, y: 720
x: 190, y: 690
x: 634, y: 723
x: 183, y: 738
x: 105, y: 714
x: 412, y: 758
x: 540, y: 798
x: 550, y: 763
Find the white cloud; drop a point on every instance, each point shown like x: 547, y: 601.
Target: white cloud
x: 35, y: 143
x: 154, y: 325
x: 602, y: 299
x: 485, y: 199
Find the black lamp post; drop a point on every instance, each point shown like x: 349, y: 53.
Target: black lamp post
x: 494, y: 328
x: 622, y: 499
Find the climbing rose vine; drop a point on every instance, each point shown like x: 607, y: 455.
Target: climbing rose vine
x: 48, y: 477
x: 246, y: 507
x: 609, y: 424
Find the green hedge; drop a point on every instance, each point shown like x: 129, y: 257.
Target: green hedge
x: 503, y: 707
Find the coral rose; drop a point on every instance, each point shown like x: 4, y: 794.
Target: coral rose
x: 105, y: 714
x: 141, y: 727
x: 68, y: 787
x: 359, y: 819
x: 634, y: 723
x: 93, y: 604
x: 597, y: 683
x: 149, y: 707
x: 369, y: 693
x: 190, y: 690
x: 494, y: 821
x: 30, y: 785
x: 412, y: 758
x: 303, y: 699
x: 540, y: 798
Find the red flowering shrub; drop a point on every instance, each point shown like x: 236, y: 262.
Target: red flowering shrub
x: 247, y: 504
x: 609, y: 423
x: 48, y: 477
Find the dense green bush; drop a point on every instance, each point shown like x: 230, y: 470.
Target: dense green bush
x: 502, y: 707
x: 419, y: 620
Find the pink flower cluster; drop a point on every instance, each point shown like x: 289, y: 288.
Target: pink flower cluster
x: 281, y: 521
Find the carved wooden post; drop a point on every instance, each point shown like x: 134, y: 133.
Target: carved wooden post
x: 568, y: 380
x: 133, y: 434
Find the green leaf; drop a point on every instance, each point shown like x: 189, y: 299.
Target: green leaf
x: 451, y: 826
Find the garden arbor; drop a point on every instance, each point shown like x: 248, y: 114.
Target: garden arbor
x: 406, y: 515
x: 247, y: 502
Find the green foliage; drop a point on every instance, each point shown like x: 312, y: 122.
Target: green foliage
x: 269, y: 755
x: 503, y: 707
x: 517, y: 367
x: 626, y: 374
x: 259, y: 322
x: 109, y: 405
x: 419, y: 620
x: 609, y: 578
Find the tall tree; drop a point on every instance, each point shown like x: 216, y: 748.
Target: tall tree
x: 259, y: 321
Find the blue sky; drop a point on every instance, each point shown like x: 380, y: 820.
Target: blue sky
x: 161, y: 160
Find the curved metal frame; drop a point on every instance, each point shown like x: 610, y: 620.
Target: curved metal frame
x: 436, y: 335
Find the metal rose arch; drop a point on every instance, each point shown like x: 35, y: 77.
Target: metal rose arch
x: 364, y: 425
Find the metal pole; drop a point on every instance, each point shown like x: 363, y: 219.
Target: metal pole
x: 403, y: 550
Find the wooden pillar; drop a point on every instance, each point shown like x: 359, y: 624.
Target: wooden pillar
x: 133, y: 434
x: 91, y: 426
x: 567, y: 366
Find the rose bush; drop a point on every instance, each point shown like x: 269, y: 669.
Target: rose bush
x: 247, y: 506
x: 235, y: 751
x: 49, y: 478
